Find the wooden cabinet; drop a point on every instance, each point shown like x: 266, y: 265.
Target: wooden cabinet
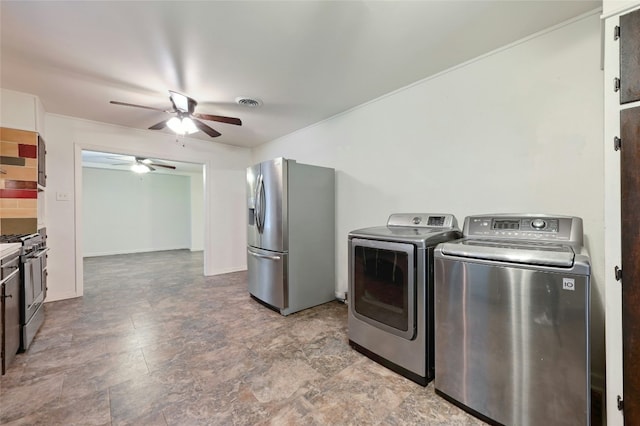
x: 621, y: 38
x: 630, y: 206
x: 629, y: 29
x: 629, y: 33
x: 42, y: 163
x: 9, y: 309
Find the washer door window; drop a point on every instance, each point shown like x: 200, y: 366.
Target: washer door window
x: 383, y: 285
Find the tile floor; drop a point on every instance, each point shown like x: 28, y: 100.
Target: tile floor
x: 153, y: 342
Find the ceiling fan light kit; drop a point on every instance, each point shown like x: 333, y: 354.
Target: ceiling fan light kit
x: 186, y: 119
x: 184, y: 126
x: 140, y: 168
x: 143, y: 164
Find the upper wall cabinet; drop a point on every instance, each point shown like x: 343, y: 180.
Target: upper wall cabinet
x: 630, y: 57
x: 21, y: 111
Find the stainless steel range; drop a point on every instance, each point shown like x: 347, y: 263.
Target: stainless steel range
x: 391, y: 291
x: 33, y: 273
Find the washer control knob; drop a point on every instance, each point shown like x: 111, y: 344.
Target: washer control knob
x: 538, y: 223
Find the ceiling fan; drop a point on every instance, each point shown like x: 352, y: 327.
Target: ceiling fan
x: 186, y: 119
x: 145, y: 165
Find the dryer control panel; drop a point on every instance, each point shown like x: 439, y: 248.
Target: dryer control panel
x: 422, y: 220
x: 525, y: 227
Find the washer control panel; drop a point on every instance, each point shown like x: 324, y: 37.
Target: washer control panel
x: 525, y: 227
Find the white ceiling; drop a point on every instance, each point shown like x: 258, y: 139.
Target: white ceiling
x: 306, y: 60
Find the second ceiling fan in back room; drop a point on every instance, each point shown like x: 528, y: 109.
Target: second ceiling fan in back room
x: 185, y: 120
x: 142, y: 164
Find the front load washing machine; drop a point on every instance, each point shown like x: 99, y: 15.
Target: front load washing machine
x: 391, y: 291
x: 512, y: 320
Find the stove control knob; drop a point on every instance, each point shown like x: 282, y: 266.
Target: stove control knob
x: 416, y: 220
x: 538, y: 223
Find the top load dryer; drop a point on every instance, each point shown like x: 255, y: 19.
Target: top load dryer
x: 512, y: 320
x: 391, y: 291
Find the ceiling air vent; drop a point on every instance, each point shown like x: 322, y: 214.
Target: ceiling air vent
x: 248, y: 102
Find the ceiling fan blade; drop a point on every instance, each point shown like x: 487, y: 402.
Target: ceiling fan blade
x: 139, y: 106
x: 166, y: 166
x: 158, y: 126
x: 220, y: 118
x: 208, y: 130
x: 121, y: 159
x: 150, y: 162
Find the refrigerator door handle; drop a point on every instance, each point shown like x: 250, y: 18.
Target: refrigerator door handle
x: 263, y: 256
x: 261, y: 197
x: 258, y: 204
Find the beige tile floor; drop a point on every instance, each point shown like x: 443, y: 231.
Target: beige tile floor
x: 153, y: 342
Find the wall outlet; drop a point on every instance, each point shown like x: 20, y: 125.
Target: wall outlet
x: 62, y: 196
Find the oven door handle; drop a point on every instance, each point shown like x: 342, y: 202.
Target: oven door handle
x: 40, y: 253
x: 36, y: 254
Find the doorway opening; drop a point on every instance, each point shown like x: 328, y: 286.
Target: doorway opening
x: 134, y: 204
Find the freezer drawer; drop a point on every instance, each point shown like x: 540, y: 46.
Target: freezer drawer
x: 267, y: 276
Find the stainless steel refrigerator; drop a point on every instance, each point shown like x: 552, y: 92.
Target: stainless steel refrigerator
x: 291, y: 234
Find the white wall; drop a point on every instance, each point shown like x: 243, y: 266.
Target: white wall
x: 518, y: 130
x: 197, y: 212
x: 225, y: 233
x: 126, y: 212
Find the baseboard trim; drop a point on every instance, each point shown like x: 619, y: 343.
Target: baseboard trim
x: 58, y: 297
x: 227, y: 271
x: 117, y: 252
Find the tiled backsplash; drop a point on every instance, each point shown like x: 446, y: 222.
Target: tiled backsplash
x: 18, y: 181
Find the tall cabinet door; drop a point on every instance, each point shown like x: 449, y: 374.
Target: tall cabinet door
x: 630, y: 208
x: 630, y: 57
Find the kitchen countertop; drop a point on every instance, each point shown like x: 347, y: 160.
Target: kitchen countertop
x: 9, y: 248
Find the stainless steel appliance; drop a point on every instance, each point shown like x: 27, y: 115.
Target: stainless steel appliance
x: 291, y: 234
x: 42, y: 169
x: 390, y: 294
x: 512, y: 320
x: 33, y: 289
x: 10, y: 309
